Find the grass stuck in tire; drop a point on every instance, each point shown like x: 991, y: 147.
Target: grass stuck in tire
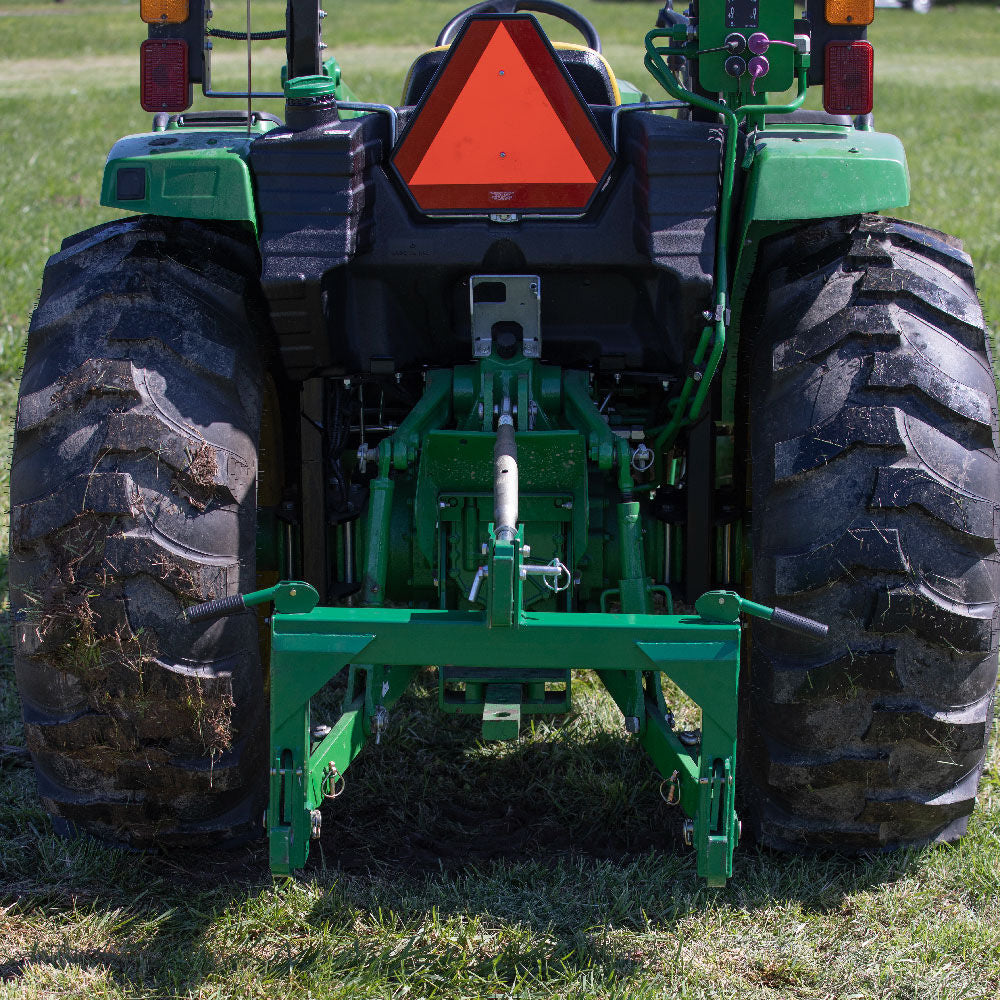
x: 449, y: 868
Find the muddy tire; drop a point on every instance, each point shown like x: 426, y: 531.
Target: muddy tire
x: 874, y: 491
x: 133, y: 493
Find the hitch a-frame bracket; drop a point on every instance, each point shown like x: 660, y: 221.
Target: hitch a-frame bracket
x: 508, y: 647
x: 309, y: 647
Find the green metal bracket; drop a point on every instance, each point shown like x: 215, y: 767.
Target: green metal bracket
x: 504, y: 653
x: 462, y: 691
x: 504, y: 599
x: 502, y: 712
x: 307, y: 650
x: 292, y: 597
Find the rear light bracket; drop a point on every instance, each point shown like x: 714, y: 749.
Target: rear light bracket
x: 822, y: 32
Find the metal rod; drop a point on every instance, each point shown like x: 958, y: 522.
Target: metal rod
x: 349, y: 551
x: 622, y: 109
x: 505, y: 488
x: 249, y: 74
x: 289, y: 573
x: 236, y: 94
x: 383, y: 109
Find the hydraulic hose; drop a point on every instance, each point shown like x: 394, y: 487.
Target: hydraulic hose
x: 712, y: 343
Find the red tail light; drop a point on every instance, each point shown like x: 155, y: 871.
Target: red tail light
x: 163, y: 75
x: 848, y: 82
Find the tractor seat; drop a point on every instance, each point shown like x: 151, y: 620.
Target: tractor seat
x: 589, y: 70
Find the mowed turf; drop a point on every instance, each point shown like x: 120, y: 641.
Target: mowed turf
x: 449, y: 868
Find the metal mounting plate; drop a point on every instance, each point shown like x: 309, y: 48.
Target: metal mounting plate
x: 514, y: 300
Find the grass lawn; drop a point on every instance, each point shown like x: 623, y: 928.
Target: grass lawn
x: 450, y: 868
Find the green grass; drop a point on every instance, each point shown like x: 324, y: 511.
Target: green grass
x: 451, y: 869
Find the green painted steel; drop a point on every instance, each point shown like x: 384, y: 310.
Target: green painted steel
x: 712, y: 343
x: 309, y: 649
x: 505, y: 628
x: 797, y: 172
x: 773, y: 17
x: 502, y: 712
x: 791, y: 173
x: 463, y: 691
x: 290, y: 597
x: 190, y: 173
x: 825, y: 171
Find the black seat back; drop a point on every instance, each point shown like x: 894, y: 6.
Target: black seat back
x: 588, y: 70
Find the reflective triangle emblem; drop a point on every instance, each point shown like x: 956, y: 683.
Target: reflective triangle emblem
x: 502, y: 128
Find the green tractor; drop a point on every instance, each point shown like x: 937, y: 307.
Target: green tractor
x: 527, y: 375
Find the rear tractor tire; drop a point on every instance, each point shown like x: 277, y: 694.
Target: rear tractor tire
x: 133, y: 495
x: 874, y: 492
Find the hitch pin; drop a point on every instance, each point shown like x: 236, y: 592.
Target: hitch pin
x: 556, y: 569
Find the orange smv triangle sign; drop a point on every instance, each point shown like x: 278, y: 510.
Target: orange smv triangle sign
x: 502, y: 128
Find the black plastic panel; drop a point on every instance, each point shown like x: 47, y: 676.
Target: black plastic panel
x: 358, y: 281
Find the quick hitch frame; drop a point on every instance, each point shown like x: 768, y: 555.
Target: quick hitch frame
x: 505, y: 641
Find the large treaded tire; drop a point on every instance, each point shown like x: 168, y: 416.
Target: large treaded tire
x: 874, y: 492
x: 133, y: 494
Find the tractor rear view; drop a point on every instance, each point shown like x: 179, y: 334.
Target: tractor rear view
x: 527, y: 375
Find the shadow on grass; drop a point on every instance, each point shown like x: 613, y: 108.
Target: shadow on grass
x: 550, y: 847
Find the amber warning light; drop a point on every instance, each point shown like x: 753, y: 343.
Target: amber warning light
x: 503, y: 129
x: 167, y: 11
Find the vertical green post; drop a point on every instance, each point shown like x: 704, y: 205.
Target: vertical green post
x: 633, y: 584
x: 379, y: 514
x: 288, y: 814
